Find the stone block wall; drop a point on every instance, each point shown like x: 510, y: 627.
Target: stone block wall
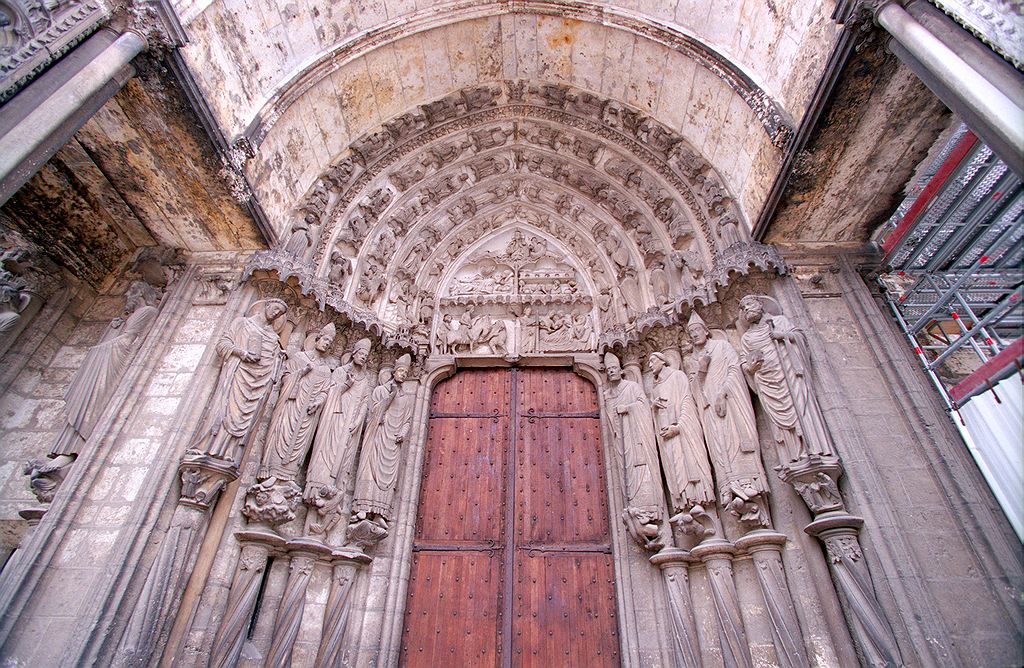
x: 71, y: 573
x: 945, y: 562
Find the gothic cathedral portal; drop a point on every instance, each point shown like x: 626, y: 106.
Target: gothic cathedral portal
x: 512, y: 559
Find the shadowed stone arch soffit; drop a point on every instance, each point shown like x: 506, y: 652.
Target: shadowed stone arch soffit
x: 769, y: 112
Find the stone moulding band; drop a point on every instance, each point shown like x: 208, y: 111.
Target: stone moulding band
x: 774, y: 119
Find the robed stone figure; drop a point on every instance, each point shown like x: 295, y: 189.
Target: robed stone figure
x: 304, y: 385
x: 775, y: 359
x: 250, y: 353
x: 633, y: 430
x: 727, y: 415
x: 387, y: 427
x: 680, y: 438
x: 341, y: 425
x: 95, y: 381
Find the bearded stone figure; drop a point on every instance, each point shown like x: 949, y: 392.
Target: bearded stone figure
x: 729, y: 423
x: 94, y: 383
x: 251, y: 354
x: 633, y: 431
x: 304, y: 385
x: 776, y: 360
x: 341, y: 425
x: 388, y: 425
x: 680, y: 438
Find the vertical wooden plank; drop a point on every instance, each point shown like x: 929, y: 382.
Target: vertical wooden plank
x: 474, y: 391
x: 564, y: 613
x: 551, y: 391
x: 560, y: 495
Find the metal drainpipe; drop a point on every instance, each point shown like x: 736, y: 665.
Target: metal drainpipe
x: 967, y: 88
x: 33, y: 130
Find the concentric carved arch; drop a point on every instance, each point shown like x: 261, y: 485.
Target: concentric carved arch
x: 647, y: 220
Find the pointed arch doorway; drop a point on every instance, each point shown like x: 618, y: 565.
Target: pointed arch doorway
x: 512, y: 562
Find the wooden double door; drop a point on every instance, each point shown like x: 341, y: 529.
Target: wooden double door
x: 512, y: 561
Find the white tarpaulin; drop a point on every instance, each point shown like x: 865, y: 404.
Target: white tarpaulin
x: 995, y: 436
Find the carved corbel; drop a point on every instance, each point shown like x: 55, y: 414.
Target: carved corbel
x: 202, y: 479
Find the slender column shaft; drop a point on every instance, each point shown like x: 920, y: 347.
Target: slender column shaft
x: 227, y: 644
x: 289, y: 613
x: 336, y: 616
x: 674, y: 564
x: 165, y: 578
x: 717, y: 557
x: 202, y: 479
x: 853, y: 581
x: 765, y: 548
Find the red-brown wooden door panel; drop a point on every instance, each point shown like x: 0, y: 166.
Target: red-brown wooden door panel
x: 474, y: 391
x: 452, y: 615
x: 463, y: 473
x: 560, y: 490
x: 511, y: 558
x: 564, y: 610
x: 554, y: 391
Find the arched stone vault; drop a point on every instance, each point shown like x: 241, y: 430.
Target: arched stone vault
x: 735, y: 96
x: 644, y: 220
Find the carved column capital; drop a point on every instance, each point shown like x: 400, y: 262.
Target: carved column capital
x: 202, y: 479
x: 815, y: 479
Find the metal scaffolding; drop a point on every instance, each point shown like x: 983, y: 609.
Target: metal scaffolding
x: 953, y: 261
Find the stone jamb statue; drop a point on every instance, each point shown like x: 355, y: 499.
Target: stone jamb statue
x: 93, y: 384
x: 341, y: 426
x: 776, y: 361
x: 304, y: 385
x: 684, y: 456
x: 632, y: 426
x: 250, y: 350
x: 729, y: 423
x: 388, y: 425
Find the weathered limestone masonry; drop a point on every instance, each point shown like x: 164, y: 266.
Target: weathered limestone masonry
x: 88, y: 540
x: 505, y: 371
x: 926, y: 510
